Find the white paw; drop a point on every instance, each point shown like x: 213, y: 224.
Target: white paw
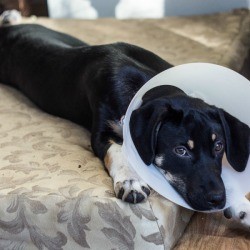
x: 131, y: 190
x: 240, y: 213
x: 128, y: 186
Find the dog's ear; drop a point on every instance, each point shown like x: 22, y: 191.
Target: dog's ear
x: 237, y: 136
x: 144, y: 125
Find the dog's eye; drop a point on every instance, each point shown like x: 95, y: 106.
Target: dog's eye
x: 181, y: 151
x: 218, y: 147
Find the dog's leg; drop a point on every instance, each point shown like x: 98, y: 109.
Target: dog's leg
x: 239, y: 212
x: 106, y: 141
x: 128, y: 186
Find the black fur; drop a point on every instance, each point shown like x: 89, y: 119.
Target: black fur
x: 167, y: 119
x: 91, y: 85
x: 68, y: 78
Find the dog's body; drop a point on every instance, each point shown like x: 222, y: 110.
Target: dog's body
x: 93, y: 85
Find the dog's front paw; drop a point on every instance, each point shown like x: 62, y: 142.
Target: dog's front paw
x: 132, y: 190
x: 239, y: 213
x: 128, y: 186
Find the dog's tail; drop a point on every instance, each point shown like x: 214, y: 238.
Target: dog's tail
x: 10, y: 17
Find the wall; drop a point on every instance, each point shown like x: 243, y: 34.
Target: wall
x: 139, y: 8
x: 194, y: 7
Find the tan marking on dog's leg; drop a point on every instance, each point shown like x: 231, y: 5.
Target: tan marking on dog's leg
x: 107, y: 158
x: 107, y: 161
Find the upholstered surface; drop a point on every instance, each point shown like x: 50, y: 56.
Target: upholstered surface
x: 55, y: 194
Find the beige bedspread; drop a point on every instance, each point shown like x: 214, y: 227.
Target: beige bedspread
x: 55, y: 194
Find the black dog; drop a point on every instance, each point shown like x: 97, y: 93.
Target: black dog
x: 93, y: 86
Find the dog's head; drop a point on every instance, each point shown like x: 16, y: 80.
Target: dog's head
x: 187, y: 138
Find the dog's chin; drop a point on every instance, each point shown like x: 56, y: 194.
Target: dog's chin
x: 196, y: 202
x: 202, y: 205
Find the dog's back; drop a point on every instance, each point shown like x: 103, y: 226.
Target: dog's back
x: 51, y: 68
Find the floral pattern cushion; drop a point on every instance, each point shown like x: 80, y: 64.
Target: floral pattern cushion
x: 55, y: 194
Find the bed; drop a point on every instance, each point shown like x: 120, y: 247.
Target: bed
x: 55, y: 194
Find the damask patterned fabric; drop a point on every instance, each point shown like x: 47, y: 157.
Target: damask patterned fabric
x: 54, y: 193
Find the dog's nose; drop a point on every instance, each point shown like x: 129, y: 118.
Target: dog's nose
x: 216, y: 199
